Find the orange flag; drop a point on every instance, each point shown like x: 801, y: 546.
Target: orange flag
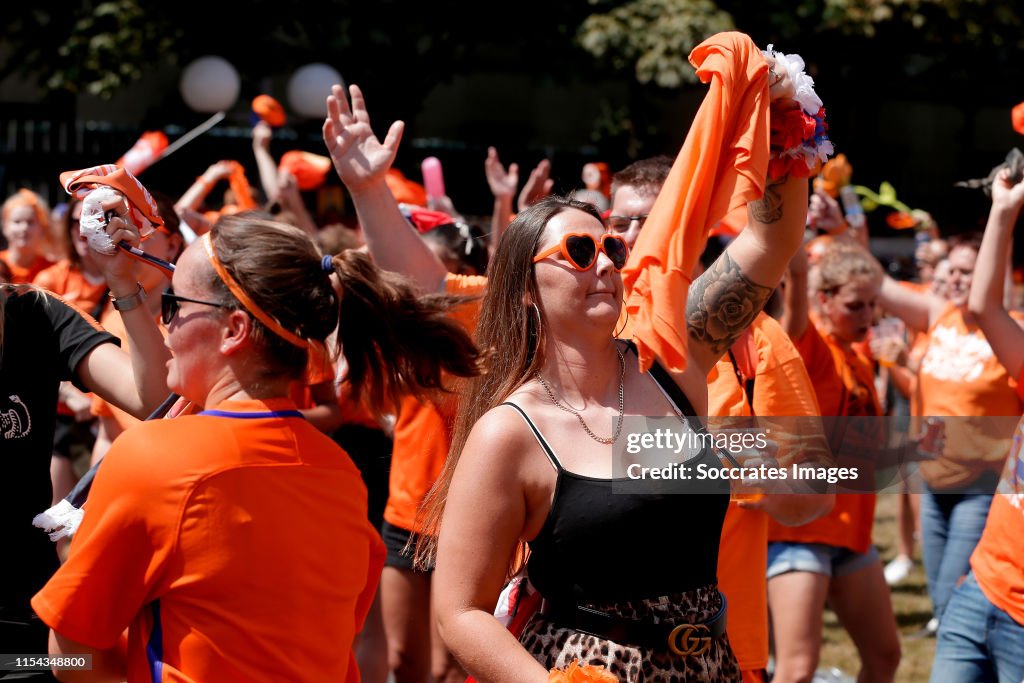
x: 722, y: 166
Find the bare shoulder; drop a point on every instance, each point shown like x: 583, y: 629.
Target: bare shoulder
x: 500, y: 439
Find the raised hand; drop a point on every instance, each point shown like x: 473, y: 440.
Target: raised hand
x: 502, y: 183
x: 261, y: 134
x: 538, y: 185
x: 360, y: 159
x: 1006, y: 193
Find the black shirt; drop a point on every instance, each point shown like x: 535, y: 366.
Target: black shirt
x: 43, y: 341
x: 608, y: 540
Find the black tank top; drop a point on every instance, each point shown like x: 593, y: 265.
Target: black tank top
x: 613, y: 540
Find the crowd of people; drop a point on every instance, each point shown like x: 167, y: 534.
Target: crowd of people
x: 395, y: 449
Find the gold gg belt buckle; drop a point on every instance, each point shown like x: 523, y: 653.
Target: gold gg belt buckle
x: 689, y: 639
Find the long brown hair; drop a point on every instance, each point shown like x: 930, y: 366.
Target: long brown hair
x: 510, y: 332
x: 395, y: 340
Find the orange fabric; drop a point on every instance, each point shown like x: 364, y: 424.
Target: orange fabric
x: 781, y: 387
x: 466, y: 285
x: 404, y: 190
x: 269, y: 110
x: 423, y: 429
x: 722, y: 166
x: 24, y: 276
x: 998, y: 560
x: 420, y: 446
x: 81, y: 183
x: 144, y: 153
x: 1017, y: 118
x: 72, y: 285
x: 960, y: 375
x: 243, y: 531
x: 240, y: 188
x: 844, y: 386
x: 310, y: 170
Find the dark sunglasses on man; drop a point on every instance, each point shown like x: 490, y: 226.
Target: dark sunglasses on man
x: 622, y: 223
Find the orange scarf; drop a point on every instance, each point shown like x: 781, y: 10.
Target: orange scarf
x: 723, y: 165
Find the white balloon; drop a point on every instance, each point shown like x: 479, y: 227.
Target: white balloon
x: 210, y: 84
x: 309, y: 87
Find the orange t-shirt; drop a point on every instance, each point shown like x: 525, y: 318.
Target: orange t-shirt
x: 781, y: 388
x: 24, y: 276
x: 231, y: 549
x: 844, y: 385
x: 423, y: 428
x: 998, y: 559
x: 72, y: 285
x: 961, y: 376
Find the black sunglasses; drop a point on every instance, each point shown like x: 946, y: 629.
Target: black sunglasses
x: 169, y: 304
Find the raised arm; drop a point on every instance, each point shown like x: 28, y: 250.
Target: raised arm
x: 140, y: 386
x: 261, y: 134
x: 986, y: 297
x: 196, y: 194
x: 362, y: 161
x: 796, y: 305
x: 728, y: 296
x: 917, y: 309
x: 503, y: 186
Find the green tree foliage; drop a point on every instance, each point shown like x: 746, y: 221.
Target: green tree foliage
x: 654, y: 37
x: 925, y: 44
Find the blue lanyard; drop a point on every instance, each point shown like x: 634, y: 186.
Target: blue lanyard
x: 253, y: 416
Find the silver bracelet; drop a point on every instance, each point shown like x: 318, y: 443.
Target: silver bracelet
x: 127, y: 303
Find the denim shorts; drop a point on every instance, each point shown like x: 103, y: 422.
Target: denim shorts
x: 817, y: 558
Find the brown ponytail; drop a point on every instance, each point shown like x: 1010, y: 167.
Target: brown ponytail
x: 396, y: 340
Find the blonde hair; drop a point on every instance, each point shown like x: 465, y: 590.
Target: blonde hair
x: 26, y: 197
x: 843, y: 262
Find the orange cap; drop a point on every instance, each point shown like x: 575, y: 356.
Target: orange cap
x: 404, y: 190
x: 269, y: 110
x: 310, y: 170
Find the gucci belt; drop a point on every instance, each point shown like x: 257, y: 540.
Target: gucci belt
x: 684, y: 640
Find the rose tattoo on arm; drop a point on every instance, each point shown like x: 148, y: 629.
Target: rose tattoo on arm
x: 721, y: 304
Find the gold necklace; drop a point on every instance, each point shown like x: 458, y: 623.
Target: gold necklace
x: 622, y: 403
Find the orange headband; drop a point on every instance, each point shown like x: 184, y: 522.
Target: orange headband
x: 248, y: 303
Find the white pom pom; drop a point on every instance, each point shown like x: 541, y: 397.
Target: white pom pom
x: 61, y: 520
x: 93, y: 225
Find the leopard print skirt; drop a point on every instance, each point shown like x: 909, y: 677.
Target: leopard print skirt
x: 557, y: 646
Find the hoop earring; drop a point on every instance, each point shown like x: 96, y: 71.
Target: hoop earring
x: 625, y: 322
x: 540, y: 320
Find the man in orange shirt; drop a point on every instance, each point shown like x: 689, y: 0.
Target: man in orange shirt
x: 763, y: 376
